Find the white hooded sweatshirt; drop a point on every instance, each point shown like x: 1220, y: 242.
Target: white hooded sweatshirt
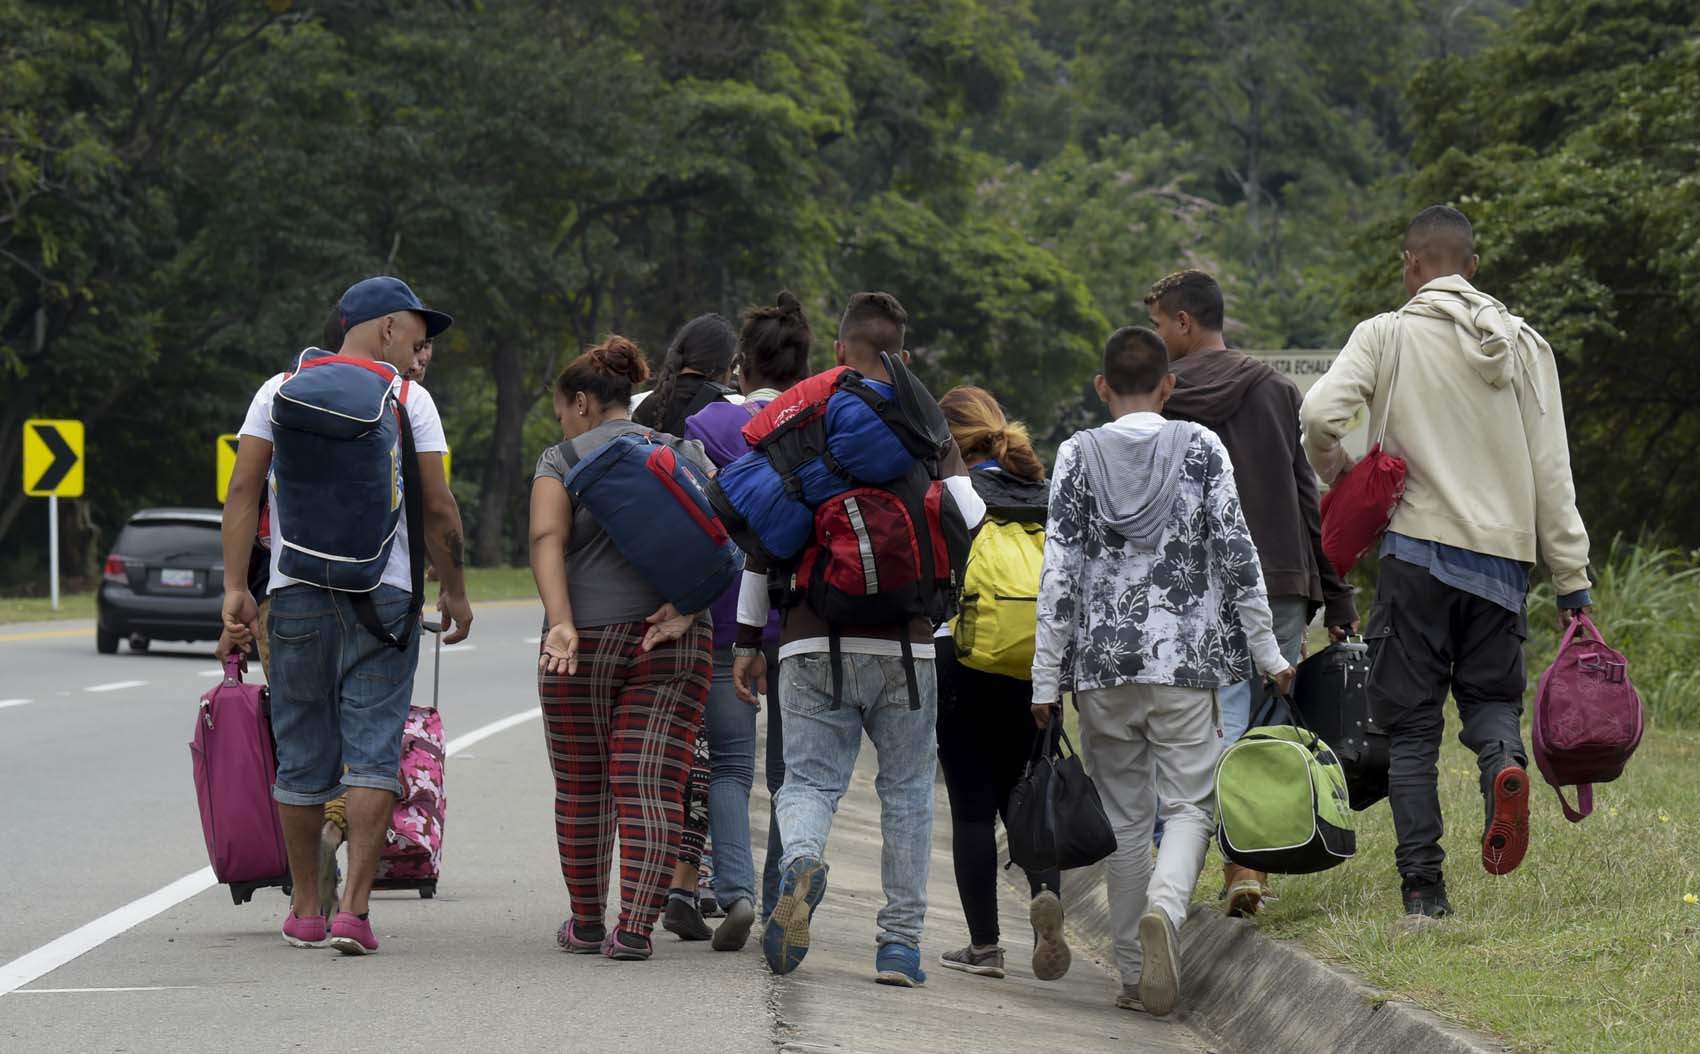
x: 1475, y: 411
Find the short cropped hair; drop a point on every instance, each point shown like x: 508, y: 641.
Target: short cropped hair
x: 1135, y: 361
x: 1191, y: 291
x: 872, y: 323
x: 1443, y: 230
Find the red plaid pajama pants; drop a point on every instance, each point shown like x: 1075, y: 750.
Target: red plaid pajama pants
x: 621, y: 734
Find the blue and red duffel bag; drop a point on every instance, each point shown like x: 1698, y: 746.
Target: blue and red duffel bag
x: 653, y: 504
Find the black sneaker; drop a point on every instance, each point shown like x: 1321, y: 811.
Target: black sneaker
x: 685, y: 919
x: 1425, y: 903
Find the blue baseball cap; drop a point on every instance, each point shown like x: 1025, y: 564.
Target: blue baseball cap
x: 373, y: 298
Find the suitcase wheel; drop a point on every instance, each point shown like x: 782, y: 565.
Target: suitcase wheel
x: 288, y: 888
x: 241, y: 893
x: 427, y: 891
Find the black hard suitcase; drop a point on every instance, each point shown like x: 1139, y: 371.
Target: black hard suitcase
x: 1332, y: 693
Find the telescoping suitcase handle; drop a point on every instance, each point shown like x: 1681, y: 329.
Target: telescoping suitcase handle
x: 436, y: 631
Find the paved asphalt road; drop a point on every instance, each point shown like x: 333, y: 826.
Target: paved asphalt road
x: 112, y: 937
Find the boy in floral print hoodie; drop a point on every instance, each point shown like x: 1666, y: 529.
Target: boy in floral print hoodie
x: 1151, y: 599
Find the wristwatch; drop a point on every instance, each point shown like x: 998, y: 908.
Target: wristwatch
x: 745, y: 651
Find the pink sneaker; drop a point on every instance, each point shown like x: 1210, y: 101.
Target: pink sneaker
x: 304, y: 933
x: 352, y: 935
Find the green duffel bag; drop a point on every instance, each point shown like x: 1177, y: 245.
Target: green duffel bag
x: 1281, y: 803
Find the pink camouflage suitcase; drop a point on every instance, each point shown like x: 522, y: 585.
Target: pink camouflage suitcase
x: 235, y: 766
x: 413, y: 849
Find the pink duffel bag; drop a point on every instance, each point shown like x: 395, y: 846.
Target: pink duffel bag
x: 1588, y: 718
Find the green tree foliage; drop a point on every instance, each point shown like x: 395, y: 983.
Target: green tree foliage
x: 1573, y: 146
x: 185, y: 188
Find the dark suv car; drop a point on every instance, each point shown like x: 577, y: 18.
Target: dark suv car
x: 164, y: 580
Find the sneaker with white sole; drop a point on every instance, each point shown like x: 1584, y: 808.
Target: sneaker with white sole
x: 304, y: 933
x: 352, y: 935
x: 899, y: 965
x: 981, y: 962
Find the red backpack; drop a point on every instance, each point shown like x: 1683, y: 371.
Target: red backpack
x: 881, y: 554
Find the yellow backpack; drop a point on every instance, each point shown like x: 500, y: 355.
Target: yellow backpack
x: 1000, y: 599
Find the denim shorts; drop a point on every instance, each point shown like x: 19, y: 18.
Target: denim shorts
x: 339, y: 697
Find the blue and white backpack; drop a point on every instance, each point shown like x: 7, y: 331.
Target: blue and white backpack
x: 345, y: 479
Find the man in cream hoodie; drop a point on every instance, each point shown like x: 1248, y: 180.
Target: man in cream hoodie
x: 1470, y: 399
x: 1151, y: 601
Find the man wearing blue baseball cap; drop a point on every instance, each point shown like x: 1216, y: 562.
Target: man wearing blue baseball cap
x: 357, y: 493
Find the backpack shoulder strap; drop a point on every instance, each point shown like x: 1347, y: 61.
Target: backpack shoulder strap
x: 414, y: 520
x: 569, y: 453
x: 710, y: 392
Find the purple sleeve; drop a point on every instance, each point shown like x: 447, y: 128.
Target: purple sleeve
x: 719, y: 427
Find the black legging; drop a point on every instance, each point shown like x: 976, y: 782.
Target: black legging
x: 775, y: 779
x: 986, y: 733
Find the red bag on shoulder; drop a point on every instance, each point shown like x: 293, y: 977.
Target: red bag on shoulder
x: 1359, y: 506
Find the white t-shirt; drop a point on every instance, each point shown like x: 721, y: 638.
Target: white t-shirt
x: 427, y: 439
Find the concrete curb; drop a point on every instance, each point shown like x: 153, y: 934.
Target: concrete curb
x: 1249, y: 994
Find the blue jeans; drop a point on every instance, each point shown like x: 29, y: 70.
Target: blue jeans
x: 339, y: 697
x: 1238, y: 700
x: 821, y: 745
x: 731, y: 727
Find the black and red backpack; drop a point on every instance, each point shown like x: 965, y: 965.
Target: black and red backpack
x: 884, y: 551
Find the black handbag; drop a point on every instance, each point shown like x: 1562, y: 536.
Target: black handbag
x: 1055, y: 818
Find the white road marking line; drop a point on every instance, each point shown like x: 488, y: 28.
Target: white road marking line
x: 138, y: 988
x: 4, y: 703
x: 114, y: 686
x: 534, y: 640
x: 56, y: 953
x: 211, y: 673
x: 450, y: 649
x: 479, y: 735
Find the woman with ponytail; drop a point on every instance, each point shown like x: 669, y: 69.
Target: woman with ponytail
x: 694, y: 374
x: 773, y: 353
x: 985, y: 727
x: 622, y: 676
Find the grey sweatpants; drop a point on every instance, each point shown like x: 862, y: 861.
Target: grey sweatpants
x: 1143, y: 744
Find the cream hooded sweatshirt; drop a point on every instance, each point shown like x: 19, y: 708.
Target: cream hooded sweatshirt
x: 1475, y: 412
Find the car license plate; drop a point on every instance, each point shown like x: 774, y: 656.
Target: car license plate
x: 177, y: 579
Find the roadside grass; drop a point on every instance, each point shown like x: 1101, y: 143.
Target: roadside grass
x: 482, y: 584
x: 1589, y: 947
x: 495, y: 583
x: 1592, y: 945
x: 40, y: 609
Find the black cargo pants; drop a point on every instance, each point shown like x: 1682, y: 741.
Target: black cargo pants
x: 1427, y: 638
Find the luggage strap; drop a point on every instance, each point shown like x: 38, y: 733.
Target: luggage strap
x: 835, y: 653
x: 413, y: 511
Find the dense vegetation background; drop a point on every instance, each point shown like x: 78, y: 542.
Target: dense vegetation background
x: 187, y: 185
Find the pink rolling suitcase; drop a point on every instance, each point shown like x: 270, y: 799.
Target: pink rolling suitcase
x: 235, y: 766
x: 413, y: 847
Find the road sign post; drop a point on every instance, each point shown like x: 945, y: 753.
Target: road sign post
x: 53, y: 547
x: 53, y: 469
